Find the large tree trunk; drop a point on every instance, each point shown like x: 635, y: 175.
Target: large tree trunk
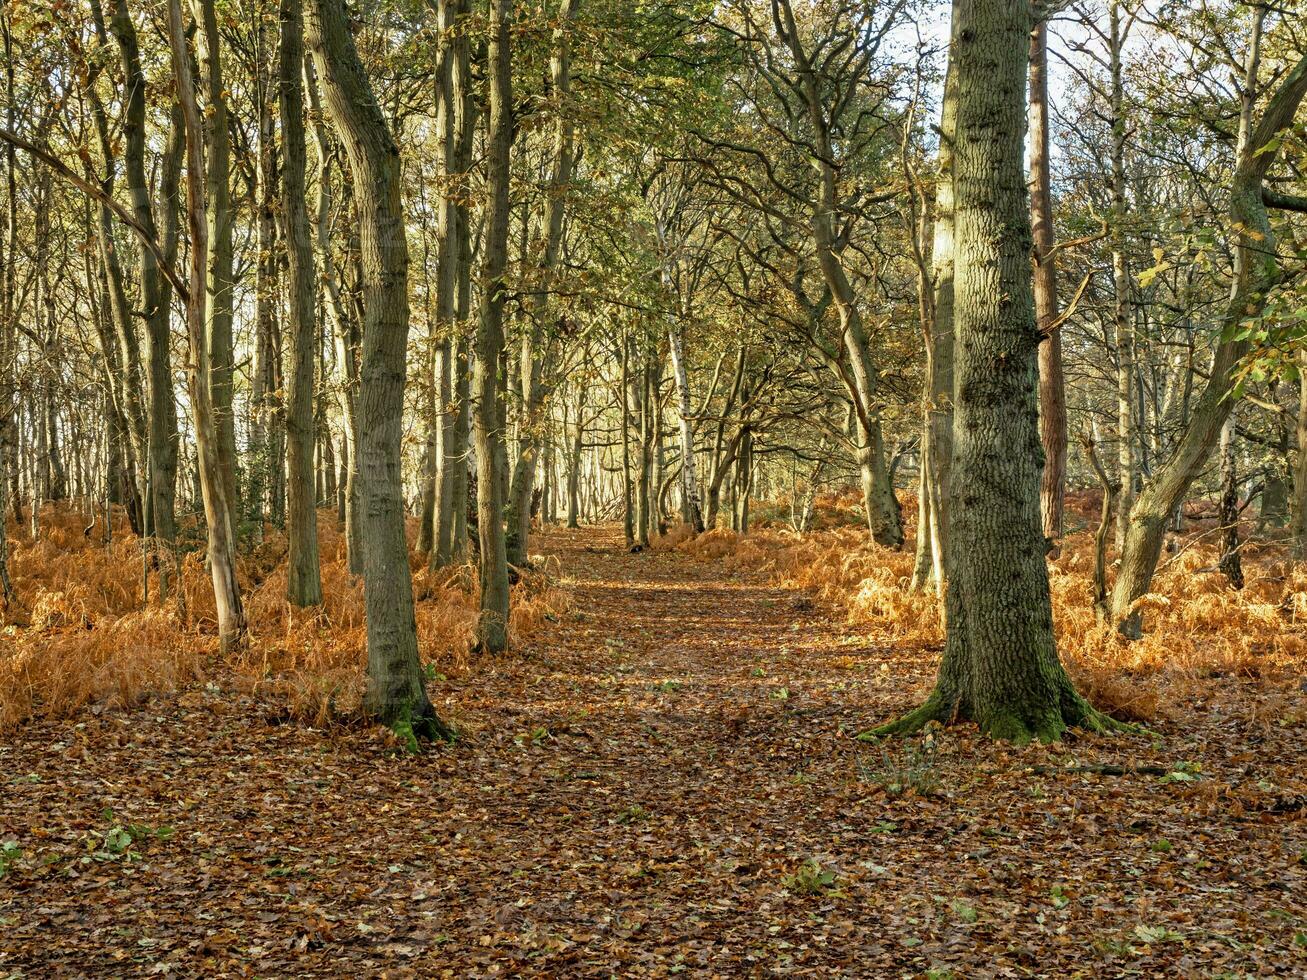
x: 487, y: 395
x: 303, y: 577
x: 1000, y: 666
x: 396, y: 694
x: 217, y: 509
x: 1256, y: 274
x: 1052, y: 386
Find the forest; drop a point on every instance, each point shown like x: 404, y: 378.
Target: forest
x: 708, y: 487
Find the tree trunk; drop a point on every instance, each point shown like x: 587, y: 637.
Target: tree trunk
x: 217, y: 509
x: 155, y: 292
x: 452, y: 529
x: 692, y: 506
x: 744, y: 481
x: 1000, y: 666
x: 487, y: 395
x: 1052, y: 386
x: 937, y: 437
x: 539, y: 342
x: 303, y: 577
x: 1230, y: 564
x: 219, y: 282
x: 1298, y: 521
x: 1122, y: 318
x: 396, y: 694
x: 347, y: 340
x: 624, y: 405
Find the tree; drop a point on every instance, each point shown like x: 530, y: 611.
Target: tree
x: 396, y: 692
x: 304, y: 577
x: 218, y: 512
x: 1052, y: 384
x: 1257, y: 272
x: 1000, y: 666
x: 487, y: 396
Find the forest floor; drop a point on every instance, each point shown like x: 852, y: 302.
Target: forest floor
x: 668, y: 780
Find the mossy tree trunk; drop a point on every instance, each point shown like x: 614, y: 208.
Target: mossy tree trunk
x: 1000, y: 666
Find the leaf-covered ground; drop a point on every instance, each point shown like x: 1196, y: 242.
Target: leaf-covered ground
x: 669, y: 781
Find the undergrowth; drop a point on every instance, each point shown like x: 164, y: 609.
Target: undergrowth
x: 82, y: 632
x: 1196, y: 626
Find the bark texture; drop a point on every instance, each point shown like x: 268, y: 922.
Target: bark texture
x: 487, y: 394
x: 304, y: 579
x: 1000, y: 666
x: 396, y: 694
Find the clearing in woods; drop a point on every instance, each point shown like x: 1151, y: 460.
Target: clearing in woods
x: 669, y: 781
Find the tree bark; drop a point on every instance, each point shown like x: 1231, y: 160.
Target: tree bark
x: 396, y: 693
x: 304, y: 576
x: 1000, y: 667
x: 487, y: 394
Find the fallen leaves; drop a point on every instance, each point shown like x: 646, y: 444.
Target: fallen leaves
x: 632, y: 797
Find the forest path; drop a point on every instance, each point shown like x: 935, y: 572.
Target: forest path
x: 666, y: 781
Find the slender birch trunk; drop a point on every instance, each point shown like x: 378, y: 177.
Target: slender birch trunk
x: 1052, y: 385
x: 213, y: 485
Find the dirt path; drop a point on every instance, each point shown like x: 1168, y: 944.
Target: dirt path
x: 668, y: 782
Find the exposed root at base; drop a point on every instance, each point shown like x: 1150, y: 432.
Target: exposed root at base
x: 1046, y: 726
